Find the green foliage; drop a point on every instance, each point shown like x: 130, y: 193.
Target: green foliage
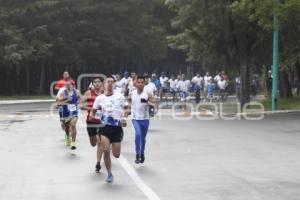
x: 82, y: 32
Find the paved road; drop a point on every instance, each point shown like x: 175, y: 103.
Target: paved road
x: 191, y: 160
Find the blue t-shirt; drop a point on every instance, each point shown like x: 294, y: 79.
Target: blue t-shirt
x: 211, y: 88
x: 156, y: 83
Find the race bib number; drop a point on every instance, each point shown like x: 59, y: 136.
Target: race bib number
x: 72, y: 107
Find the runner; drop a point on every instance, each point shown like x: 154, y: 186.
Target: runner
x: 125, y: 83
x: 222, y: 85
x: 184, y: 86
x: 211, y: 87
x: 59, y: 88
x: 87, y: 103
x: 119, y: 85
x: 206, y: 78
x: 68, y: 100
x: 151, y: 89
x: 113, y: 113
x: 173, y: 87
x: 218, y: 77
x: 155, y: 81
x: 132, y: 82
x: 164, y: 85
x: 140, y: 100
x: 197, y: 82
x: 61, y: 83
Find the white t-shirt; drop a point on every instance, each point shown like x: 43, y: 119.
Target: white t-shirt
x: 131, y: 87
x: 164, y: 81
x: 119, y: 87
x: 197, y: 80
x: 217, y: 78
x: 173, y: 84
x: 60, y: 91
x: 150, y: 88
x: 222, y: 84
x: 111, y: 108
x: 184, y: 86
x: 139, y: 110
x: 206, y: 79
x: 125, y: 81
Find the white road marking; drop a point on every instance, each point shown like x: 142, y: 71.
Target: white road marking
x: 149, y: 193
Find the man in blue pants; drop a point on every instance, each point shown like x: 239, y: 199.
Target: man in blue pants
x: 140, y: 101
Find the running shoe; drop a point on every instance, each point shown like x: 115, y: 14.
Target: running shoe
x: 137, y: 159
x: 98, y: 167
x: 73, y: 145
x: 142, y: 158
x: 110, y: 178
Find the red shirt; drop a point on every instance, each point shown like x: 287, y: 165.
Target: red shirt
x: 90, y: 103
x: 60, y: 84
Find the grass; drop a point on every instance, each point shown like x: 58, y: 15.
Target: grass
x: 283, y: 104
x: 21, y: 97
x: 233, y: 107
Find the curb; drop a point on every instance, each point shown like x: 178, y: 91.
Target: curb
x: 257, y: 113
x: 9, y: 102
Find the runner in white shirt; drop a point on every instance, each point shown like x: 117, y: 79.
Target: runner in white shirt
x: 222, y: 85
x: 206, y: 78
x: 140, y: 100
x: 197, y: 81
x: 119, y: 84
x: 125, y: 83
x: 131, y: 85
x: 184, y: 86
x: 218, y: 77
x: 173, y: 87
x: 112, y: 105
x: 60, y: 93
x: 151, y: 89
x: 68, y: 101
x: 164, y: 85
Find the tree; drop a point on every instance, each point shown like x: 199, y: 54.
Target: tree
x: 212, y: 34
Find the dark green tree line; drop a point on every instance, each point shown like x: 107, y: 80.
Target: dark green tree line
x: 41, y: 38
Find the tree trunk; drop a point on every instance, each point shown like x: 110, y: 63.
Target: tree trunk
x: 297, y: 70
x: 284, y: 86
x: 245, y: 83
x: 27, y: 69
x: 12, y: 81
x: 42, y: 79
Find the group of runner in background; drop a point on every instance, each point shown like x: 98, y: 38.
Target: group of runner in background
x: 177, y: 88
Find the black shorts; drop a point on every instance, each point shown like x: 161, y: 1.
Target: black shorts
x: 92, y: 129
x: 113, y: 133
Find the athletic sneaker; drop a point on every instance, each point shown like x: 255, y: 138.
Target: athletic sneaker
x: 73, y: 145
x: 98, y: 167
x: 142, y: 158
x: 137, y: 159
x: 110, y: 178
x: 67, y: 140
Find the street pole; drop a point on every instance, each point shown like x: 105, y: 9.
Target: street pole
x: 275, y: 62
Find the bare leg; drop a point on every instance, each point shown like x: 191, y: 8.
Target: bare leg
x: 116, y: 149
x: 73, y: 130
x: 105, y: 148
x: 99, y: 149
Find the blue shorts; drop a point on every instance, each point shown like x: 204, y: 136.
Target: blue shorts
x: 183, y: 96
